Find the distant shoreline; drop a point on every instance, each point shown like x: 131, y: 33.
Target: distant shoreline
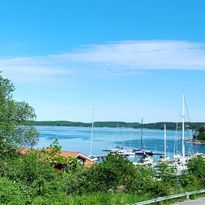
x: 115, y: 124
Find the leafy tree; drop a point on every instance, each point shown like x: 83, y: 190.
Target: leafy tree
x: 16, y: 129
x: 201, y: 136
x: 199, y: 133
x: 52, y: 155
x: 201, y: 129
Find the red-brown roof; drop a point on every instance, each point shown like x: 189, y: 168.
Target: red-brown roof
x: 87, y: 161
x: 69, y: 154
x: 23, y: 151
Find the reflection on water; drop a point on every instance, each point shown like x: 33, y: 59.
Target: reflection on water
x: 78, y: 139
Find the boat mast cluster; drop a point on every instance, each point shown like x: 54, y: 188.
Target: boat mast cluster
x: 178, y: 160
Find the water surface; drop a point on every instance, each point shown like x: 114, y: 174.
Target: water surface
x: 78, y: 139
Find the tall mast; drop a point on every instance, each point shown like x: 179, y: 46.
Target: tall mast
x: 91, y: 137
x: 183, y: 121
x: 165, y: 141
x: 141, y: 143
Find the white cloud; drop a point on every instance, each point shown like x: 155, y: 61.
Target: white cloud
x: 116, y: 57
x: 135, y: 55
x: 31, y: 69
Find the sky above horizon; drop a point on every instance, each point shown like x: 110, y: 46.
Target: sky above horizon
x: 127, y: 59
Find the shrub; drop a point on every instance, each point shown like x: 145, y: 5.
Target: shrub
x: 196, y: 166
x: 10, y: 193
x: 141, y: 181
x: 167, y: 181
x: 190, y: 182
x: 111, y: 174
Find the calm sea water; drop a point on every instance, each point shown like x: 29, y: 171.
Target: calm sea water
x: 78, y: 139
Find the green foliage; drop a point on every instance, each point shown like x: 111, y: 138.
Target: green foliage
x: 167, y: 180
x: 111, y: 173
x: 79, y: 181
x: 37, y: 178
x: 10, y: 193
x: 32, y: 179
x: 201, y: 129
x: 114, y: 181
x: 15, y: 121
x: 196, y: 166
x: 52, y: 155
x: 201, y: 136
x: 141, y: 181
x: 190, y: 182
x: 167, y: 172
x: 107, y: 198
x: 199, y: 133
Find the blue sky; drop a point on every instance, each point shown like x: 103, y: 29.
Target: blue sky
x: 128, y: 59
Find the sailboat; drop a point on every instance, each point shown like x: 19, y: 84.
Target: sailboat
x: 180, y: 160
x: 120, y: 150
x: 91, y: 138
x: 142, y: 150
x: 145, y: 159
x: 164, y: 158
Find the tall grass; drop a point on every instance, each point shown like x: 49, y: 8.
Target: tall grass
x: 109, y: 198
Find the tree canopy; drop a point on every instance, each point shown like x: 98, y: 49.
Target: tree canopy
x: 199, y: 134
x: 16, y: 118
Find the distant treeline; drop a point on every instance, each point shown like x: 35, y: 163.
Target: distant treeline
x: 157, y: 125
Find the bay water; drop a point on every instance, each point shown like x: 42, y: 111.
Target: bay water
x: 79, y: 139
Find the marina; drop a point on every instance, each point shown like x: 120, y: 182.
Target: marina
x: 78, y: 138
x: 141, y: 146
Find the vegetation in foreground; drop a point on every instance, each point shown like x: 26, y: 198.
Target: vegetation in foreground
x: 33, y: 179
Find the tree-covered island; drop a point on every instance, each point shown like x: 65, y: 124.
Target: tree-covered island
x: 114, y: 124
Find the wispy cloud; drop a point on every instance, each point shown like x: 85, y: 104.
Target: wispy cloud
x: 31, y: 69
x: 113, y: 57
x: 132, y: 55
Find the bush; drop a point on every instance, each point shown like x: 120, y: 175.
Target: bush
x: 196, y: 166
x: 111, y: 174
x: 32, y: 180
x: 201, y: 136
x: 10, y: 193
x: 141, y: 181
x: 35, y: 177
x: 28, y: 169
x: 167, y: 181
x: 190, y: 182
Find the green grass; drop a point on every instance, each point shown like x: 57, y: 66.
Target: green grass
x: 109, y: 198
